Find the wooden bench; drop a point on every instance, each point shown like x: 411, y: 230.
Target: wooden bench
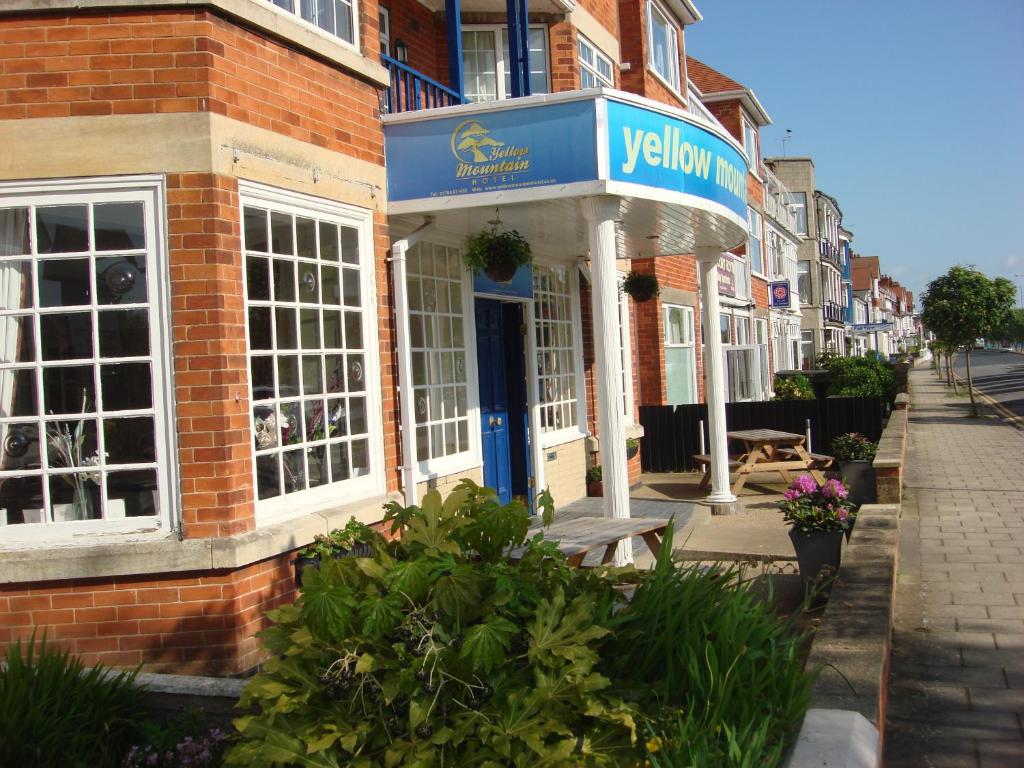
x: 704, y: 460
x: 820, y: 460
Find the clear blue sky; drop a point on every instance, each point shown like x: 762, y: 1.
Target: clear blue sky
x: 913, y: 111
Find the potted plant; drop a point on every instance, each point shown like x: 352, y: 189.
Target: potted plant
x: 818, y: 515
x: 641, y: 286
x: 632, y: 447
x: 594, y: 485
x: 354, y: 540
x: 498, y: 254
x: 855, y: 454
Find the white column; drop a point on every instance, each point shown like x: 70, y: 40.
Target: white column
x: 721, y: 499
x: 600, y: 213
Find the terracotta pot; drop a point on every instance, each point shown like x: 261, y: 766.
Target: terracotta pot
x: 814, y: 552
x: 501, y: 271
x: 595, y: 488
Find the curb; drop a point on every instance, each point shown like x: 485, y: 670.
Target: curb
x: 1004, y: 413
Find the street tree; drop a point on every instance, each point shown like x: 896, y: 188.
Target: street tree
x: 964, y: 305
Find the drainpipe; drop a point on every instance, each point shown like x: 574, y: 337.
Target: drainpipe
x: 408, y: 420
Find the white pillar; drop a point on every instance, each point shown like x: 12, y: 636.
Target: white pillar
x: 721, y: 499
x: 600, y: 213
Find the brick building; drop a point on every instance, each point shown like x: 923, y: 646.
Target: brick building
x: 232, y: 305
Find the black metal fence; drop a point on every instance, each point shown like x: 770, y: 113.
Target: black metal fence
x: 672, y: 433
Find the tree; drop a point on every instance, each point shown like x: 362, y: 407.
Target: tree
x: 963, y: 305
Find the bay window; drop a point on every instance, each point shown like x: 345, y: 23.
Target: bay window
x: 83, y: 427
x: 312, y: 347
x: 754, y: 241
x: 336, y: 17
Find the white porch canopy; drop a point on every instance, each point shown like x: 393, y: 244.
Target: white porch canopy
x: 596, y: 171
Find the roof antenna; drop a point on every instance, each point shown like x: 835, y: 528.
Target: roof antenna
x: 787, y: 137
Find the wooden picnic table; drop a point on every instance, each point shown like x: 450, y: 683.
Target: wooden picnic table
x: 769, y: 450
x: 578, y: 536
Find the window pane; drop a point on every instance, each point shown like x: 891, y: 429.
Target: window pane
x: 13, y: 232
x: 62, y: 229
x: 118, y: 226
x: 121, y: 280
x: 64, y: 282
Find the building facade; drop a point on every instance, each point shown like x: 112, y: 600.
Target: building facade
x: 235, y: 311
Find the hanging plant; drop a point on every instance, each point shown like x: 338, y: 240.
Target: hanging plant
x: 497, y: 254
x: 641, y: 286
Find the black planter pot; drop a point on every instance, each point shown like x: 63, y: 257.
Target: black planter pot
x: 815, y: 552
x: 300, y: 564
x: 501, y: 271
x: 859, y: 479
x: 632, y: 451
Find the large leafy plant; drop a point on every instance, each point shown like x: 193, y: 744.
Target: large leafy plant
x: 439, y: 651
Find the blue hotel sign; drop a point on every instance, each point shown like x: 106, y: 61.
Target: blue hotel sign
x: 491, y: 151
x: 659, y: 150
x: 552, y: 144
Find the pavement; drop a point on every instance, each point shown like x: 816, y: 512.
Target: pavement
x: 956, y: 695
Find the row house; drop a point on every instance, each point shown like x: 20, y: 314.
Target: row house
x: 905, y: 330
x: 868, y: 286
x: 781, y: 266
x: 234, y: 307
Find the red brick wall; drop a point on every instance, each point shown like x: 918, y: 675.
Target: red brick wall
x: 210, y: 367
x: 183, y: 61
x: 673, y: 272
x: 183, y: 623
x: 633, y: 39
x: 424, y: 35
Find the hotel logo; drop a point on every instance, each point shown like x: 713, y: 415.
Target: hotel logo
x: 480, y: 154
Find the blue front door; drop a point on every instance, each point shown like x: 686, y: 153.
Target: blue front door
x: 494, y: 411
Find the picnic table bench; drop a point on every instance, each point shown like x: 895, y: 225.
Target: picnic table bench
x: 768, y: 450
x: 578, y: 536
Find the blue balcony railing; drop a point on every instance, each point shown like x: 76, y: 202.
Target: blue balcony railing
x: 411, y: 90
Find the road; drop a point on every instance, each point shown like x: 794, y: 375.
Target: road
x: 1000, y: 375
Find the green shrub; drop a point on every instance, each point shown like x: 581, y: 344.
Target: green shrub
x: 861, y: 377
x: 54, y: 712
x: 794, y: 387
x: 437, y: 651
x: 720, y: 674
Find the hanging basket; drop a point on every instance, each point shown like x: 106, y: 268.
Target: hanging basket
x: 501, y: 271
x: 496, y: 254
x: 641, y: 286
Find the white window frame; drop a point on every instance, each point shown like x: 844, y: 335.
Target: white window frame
x: 289, y: 505
x: 471, y: 457
x: 384, y: 22
x: 293, y: 9
x: 756, y: 235
x: 804, y: 267
x: 671, y: 79
x: 751, y: 144
x: 798, y: 202
x: 586, y: 48
x: 150, y: 190
x: 688, y: 314
x: 552, y: 437
x: 498, y: 31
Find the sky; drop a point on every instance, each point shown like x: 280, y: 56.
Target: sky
x: 912, y: 110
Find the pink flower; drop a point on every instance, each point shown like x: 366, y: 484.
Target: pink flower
x: 834, y: 489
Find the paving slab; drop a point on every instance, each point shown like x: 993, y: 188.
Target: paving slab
x: 957, y: 671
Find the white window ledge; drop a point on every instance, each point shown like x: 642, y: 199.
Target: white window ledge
x: 96, y: 560
x: 250, y: 13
